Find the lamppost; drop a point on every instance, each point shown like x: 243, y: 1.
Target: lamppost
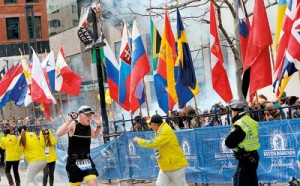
x: 100, y: 80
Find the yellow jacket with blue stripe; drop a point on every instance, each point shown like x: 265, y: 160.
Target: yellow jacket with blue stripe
x: 52, y: 156
x: 8, y: 143
x: 171, y: 155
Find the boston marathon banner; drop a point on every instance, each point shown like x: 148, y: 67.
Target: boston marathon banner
x: 210, y: 161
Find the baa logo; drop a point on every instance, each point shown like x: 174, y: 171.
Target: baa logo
x: 277, y: 140
x: 186, y: 147
x: 131, y: 148
x: 224, y: 149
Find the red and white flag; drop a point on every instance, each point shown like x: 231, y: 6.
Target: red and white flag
x: 40, y: 91
x: 219, y: 75
x: 66, y: 80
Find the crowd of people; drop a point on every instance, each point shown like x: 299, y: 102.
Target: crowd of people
x: 37, y: 145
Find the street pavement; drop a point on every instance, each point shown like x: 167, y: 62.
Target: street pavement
x: 59, y: 182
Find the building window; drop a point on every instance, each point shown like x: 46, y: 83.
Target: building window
x: 75, y: 22
x: 74, y: 9
x: 54, y: 23
x: 38, y: 26
x: 10, y: 1
x: 32, y: 1
x: 12, y: 28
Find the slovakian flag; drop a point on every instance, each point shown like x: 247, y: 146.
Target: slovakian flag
x: 27, y: 74
x: 165, y: 84
x: 125, y: 68
x: 257, y: 61
x: 292, y: 54
x: 48, y: 65
x: 290, y: 13
x: 139, y: 68
x: 219, y: 76
x: 186, y: 84
x: 66, y: 80
x: 40, y: 91
x: 112, y: 71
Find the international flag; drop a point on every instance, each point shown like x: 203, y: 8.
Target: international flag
x: 158, y: 79
x: 27, y: 74
x: 48, y: 65
x: 244, y: 27
x: 285, y: 33
x: 66, y: 80
x: 219, y: 76
x: 112, y: 71
x: 186, y: 85
x: 279, y: 20
x: 139, y: 69
x: 8, y: 83
x: 19, y: 87
x: 257, y: 61
x: 2, y: 73
x: 40, y: 91
x: 155, y: 44
x: 165, y: 84
x: 292, y: 54
x: 125, y: 68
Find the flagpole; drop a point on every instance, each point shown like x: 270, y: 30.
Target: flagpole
x: 146, y: 99
x: 33, y: 109
x: 60, y: 98
x: 68, y: 97
x: 95, y: 96
x: 272, y: 59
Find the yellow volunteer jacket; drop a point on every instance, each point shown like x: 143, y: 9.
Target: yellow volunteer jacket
x: 8, y: 143
x: 171, y: 155
x: 33, y: 151
x: 52, y: 156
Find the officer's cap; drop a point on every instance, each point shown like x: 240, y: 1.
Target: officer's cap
x: 236, y: 105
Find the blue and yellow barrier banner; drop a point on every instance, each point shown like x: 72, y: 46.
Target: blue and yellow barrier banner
x: 210, y: 161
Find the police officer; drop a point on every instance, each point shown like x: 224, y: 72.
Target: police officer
x: 244, y: 140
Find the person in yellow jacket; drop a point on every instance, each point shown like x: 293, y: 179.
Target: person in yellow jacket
x: 169, y: 155
x: 34, y: 153
x: 48, y: 142
x: 8, y: 143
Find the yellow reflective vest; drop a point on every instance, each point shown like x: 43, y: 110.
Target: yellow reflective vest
x: 250, y: 127
x: 171, y: 155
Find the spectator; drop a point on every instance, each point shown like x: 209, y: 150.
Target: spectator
x: 8, y: 143
x: 48, y: 142
x: 294, y: 103
x: 271, y: 113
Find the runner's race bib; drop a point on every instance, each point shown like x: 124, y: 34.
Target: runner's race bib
x: 84, y: 164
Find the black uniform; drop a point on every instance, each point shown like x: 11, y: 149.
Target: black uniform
x: 79, y: 155
x: 245, y: 174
